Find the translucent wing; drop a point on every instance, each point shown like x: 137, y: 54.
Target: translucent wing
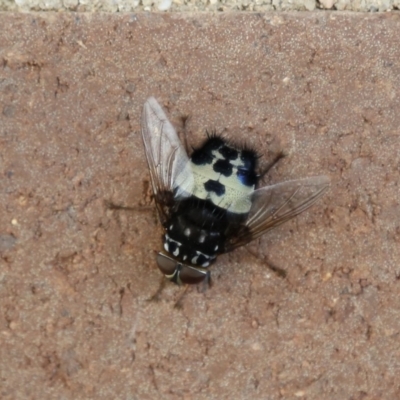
x: 276, y: 204
x: 170, y: 171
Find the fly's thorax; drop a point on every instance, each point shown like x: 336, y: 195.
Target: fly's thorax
x: 190, y: 243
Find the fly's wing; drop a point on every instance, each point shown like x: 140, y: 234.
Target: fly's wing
x: 276, y: 204
x: 170, y: 171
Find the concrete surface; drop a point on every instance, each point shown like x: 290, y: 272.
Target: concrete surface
x: 115, y: 6
x: 77, y: 279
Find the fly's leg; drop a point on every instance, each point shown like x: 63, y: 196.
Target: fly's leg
x: 206, y: 284
x: 156, y: 295
x: 183, y: 133
x: 113, y: 206
x: 179, y: 302
x: 278, y: 271
x: 270, y: 165
x: 201, y: 287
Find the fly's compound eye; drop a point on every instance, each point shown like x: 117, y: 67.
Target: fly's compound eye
x: 192, y: 275
x: 167, y: 265
x: 180, y: 273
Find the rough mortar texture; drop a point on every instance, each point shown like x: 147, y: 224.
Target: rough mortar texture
x: 78, y: 317
x: 114, y: 6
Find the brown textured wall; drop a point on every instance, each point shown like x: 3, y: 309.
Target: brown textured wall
x: 76, y: 278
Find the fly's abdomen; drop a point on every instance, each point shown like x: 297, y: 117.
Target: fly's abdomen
x: 224, y: 175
